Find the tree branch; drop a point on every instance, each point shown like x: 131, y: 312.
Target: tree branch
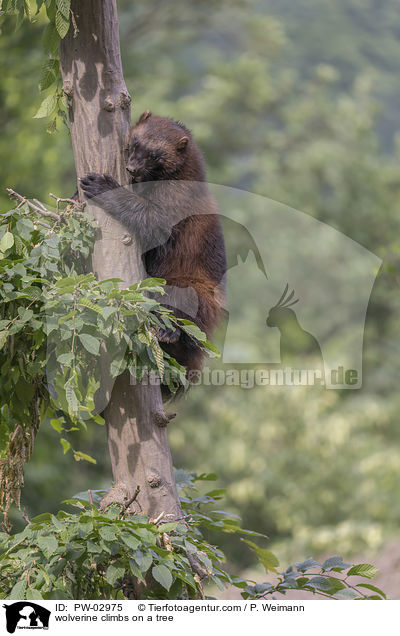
x: 38, y: 208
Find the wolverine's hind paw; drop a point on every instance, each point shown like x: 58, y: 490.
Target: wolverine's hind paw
x: 169, y: 336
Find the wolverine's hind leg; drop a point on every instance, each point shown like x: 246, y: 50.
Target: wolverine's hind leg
x: 168, y: 336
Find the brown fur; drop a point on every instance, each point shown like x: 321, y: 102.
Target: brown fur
x: 172, y: 213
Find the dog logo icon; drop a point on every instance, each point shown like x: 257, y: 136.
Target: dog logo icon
x: 26, y: 615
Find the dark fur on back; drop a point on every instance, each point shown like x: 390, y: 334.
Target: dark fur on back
x: 171, y: 212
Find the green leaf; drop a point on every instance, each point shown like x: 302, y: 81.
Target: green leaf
x: 108, y: 533
x: 85, y: 302
x: 48, y: 545
x: 346, y: 594
x: 65, y: 358
x: 149, y: 282
x: 19, y: 270
x: 78, y: 455
x: 56, y: 594
x: 309, y: 564
x: 144, y: 560
x: 6, y: 242
x: 158, y: 355
x: 51, y: 39
x: 162, y: 575
x: 57, y: 425
x: 212, y: 350
x: 66, y: 445
x: 71, y: 398
x: 47, y: 107
x: 93, y: 548
x: 363, y: 569
x: 194, y: 331
x: 33, y: 595
x: 373, y: 588
x: 49, y: 73
x: 45, y: 517
x: 52, y: 127
x: 18, y: 591
x: 108, y: 311
x: 62, y: 24
x: 28, y: 11
x: 168, y: 527
x: 63, y: 6
x: 131, y: 541
x: 118, y: 364
x: 336, y: 563
x: 3, y: 338
x: 267, y: 558
x: 146, y: 535
x: 57, y: 523
x: 25, y: 314
x: 114, y: 571
x: 135, y: 569
x: 91, y: 344
x: 328, y: 584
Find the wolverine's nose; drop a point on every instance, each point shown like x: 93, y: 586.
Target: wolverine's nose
x: 131, y: 171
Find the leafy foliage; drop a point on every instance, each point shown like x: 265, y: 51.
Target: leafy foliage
x: 321, y: 581
x: 54, y: 321
x: 58, y: 13
x: 95, y: 554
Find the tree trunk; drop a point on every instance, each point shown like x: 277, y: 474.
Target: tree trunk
x: 99, y: 115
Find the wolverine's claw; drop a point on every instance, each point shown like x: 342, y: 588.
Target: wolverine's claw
x: 94, y: 185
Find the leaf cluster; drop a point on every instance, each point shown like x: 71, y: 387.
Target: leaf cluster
x: 58, y: 16
x: 95, y: 554
x: 56, y: 321
x: 322, y: 581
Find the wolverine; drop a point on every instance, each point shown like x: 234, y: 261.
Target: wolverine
x: 169, y: 209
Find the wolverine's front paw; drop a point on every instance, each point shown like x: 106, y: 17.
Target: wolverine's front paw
x: 94, y: 185
x: 169, y: 336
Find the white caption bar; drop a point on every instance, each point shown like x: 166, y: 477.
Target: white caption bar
x: 166, y: 617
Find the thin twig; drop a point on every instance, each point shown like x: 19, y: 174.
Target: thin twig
x: 46, y: 225
x: 64, y: 200
x: 25, y: 515
x: 158, y: 519
x: 199, y: 585
x: 40, y: 204
x: 129, y: 502
x: 90, y: 497
x: 42, y: 211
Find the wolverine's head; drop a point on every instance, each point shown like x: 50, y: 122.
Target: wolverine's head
x: 158, y: 149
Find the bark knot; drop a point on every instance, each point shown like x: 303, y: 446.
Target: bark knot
x: 68, y: 89
x: 126, y: 239
x: 124, y: 100
x: 154, y: 480
x: 109, y: 104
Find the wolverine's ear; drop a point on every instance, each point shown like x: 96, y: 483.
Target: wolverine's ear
x: 144, y: 116
x: 182, y: 143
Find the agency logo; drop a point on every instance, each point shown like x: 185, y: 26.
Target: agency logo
x: 26, y: 615
x: 294, y: 294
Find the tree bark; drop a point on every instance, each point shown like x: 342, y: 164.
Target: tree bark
x: 99, y: 115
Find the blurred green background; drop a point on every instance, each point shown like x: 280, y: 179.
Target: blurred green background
x: 296, y: 101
